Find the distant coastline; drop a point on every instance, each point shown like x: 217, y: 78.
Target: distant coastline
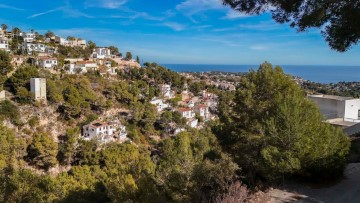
x: 317, y: 73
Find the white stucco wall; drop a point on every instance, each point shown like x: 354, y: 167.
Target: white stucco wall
x: 352, y: 110
x: 330, y: 108
x: 337, y: 107
x: 38, y: 88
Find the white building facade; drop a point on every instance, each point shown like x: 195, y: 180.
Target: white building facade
x: 333, y: 107
x: 28, y: 37
x: 38, y: 88
x: 187, y: 113
x: 77, y: 43
x: 4, y: 43
x: 166, y: 91
x: 47, y: 62
x: 82, y: 67
x: 30, y: 47
x: 159, y: 103
x: 105, y: 132
x: 203, y: 111
x: 101, y: 53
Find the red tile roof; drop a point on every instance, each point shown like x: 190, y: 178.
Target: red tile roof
x: 184, y: 109
x: 202, y: 106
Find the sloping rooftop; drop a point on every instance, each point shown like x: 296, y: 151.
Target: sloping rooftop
x: 184, y: 109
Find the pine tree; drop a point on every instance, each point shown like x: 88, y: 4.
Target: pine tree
x: 42, y: 151
x: 271, y: 129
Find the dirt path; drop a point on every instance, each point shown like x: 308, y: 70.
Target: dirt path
x: 345, y: 191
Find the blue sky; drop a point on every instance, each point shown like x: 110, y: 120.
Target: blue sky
x: 177, y: 31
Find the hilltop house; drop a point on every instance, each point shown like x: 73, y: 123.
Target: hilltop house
x: 77, y: 43
x: 47, y: 62
x: 333, y: 107
x: 50, y: 50
x: 30, y: 47
x: 203, y: 111
x: 187, y: 112
x: 4, y: 43
x: 159, y: 103
x: 101, y: 53
x: 82, y: 67
x: 28, y: 37
x: 61, y: 41
x: 105, y: 132
x: 166, y: 91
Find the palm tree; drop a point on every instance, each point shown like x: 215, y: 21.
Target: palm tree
x: 16, y: 31
x: 4, y: 27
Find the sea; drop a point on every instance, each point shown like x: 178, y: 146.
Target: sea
x: 316, y: 73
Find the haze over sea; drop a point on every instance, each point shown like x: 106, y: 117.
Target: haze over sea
x: 316, y: 73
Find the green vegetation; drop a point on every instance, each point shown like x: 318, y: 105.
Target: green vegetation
x: 345, y: 89
x: 42, y: 151
x: 271, y: 129
x: 19, y: 83
x: 267, y: 130
x: 5, y: 67
x: 9, y: 111
x: 189, y: 167
x: 5, y: 63
x: 340, y: 25
x: 128, y: 56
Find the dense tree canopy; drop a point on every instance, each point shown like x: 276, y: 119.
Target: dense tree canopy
x: 271, y: 129
x: 5, y: 63
x: 42, y: 151
x: 339, y: 18
x: 128, y: 56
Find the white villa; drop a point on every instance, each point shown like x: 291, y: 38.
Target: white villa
x: 187, y: 112
x: 4, y: 43
x: 61, y: 41
x: 101, y: 53
x: 203, y: 111
x: 105, y: 132
x: 77, y: 43
x: 333, y: 107
x: 159, y: 103
x: 166, y: 91
x: 28, y: 37
x: 82, y: 67
x: 47, y: 62
x: 30, y: 47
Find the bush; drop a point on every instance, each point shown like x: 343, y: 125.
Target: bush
x: 10, y: 111
x: 34, y: 121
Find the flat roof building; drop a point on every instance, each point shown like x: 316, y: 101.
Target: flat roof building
x: 38, y: 88
x: 334, y: 107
